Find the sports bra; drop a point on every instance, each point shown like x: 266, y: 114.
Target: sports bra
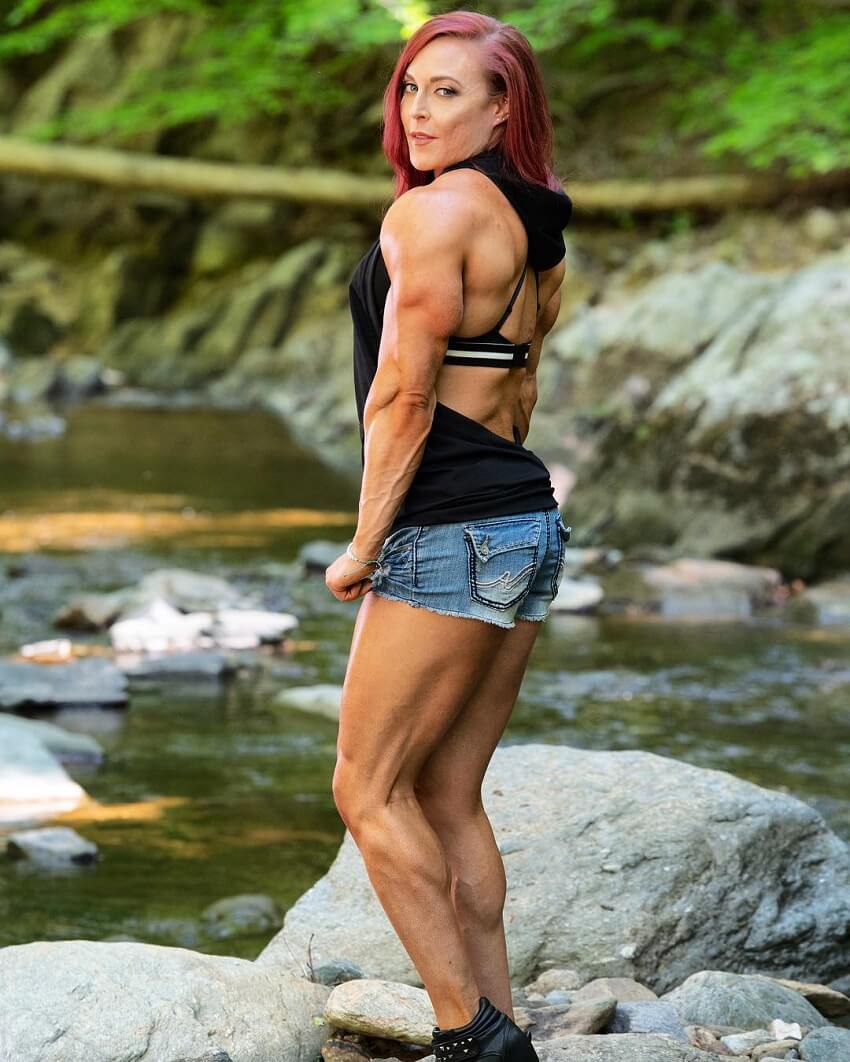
x: 491, y: 347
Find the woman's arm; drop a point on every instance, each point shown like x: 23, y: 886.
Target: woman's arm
x: 423, y: 241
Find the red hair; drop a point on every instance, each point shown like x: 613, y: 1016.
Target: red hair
x: 511, y: 68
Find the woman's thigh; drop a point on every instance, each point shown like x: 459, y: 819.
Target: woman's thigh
x: 410, y: 671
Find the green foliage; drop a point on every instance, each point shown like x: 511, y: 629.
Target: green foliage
x: 240, y: 61
x: 785, y: 100
x: 754, y: 82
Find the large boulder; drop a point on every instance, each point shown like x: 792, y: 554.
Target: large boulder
x: 621, y: 864
x: 708, y: 411
x: 715, y: 997
x: 628, y: 1047
x: 86, y: 1001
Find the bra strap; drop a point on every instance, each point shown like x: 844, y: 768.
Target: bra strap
x: 504, y: 316
x: 537, y: 288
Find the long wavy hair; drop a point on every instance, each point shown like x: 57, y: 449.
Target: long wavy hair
x: 511, y: 68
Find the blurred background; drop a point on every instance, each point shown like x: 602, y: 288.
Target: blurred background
x: 185, y: 188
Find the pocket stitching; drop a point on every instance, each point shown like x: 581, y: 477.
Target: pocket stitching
x: 474, y: 585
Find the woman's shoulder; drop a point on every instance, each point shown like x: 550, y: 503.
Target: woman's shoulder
x: 426, y: 219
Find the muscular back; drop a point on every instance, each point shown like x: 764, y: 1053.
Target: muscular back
x: 497, y: 397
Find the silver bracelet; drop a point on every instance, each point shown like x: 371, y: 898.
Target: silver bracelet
x: 349, y: 552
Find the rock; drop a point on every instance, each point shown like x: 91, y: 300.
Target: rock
x: 711, y: 869
x: 335, y: 1050
x: 322, y: 699
x: 51, y: 846
x: 691, y: 588
x: 647, y: 1017
x: 743, y: 1043
x: 773, y: 1049
x: 749, y: 1001
x: 703, y: 1038
x: 87, y: 681
x: 207, y: 1056
x: 171, y: 1002
x: 623, y: 989
x: 318, y: 555
x: 382, y: 1008
x: 79, y: 376
x: 827, y: 1044
x: 33, y: 784
x: 736, y: 445
x: 714, y: 589
x: 191, y: 591
x: 91, y: 612
x: 828, y: 1001
x: 192, y: 664
x: 826, y: 603
x: 234, y: 916
x: 549, y: 1023
x: 577, y: 595
x: 786, y: 1030
x: 65, y: 745
x: 159, y: 627
x: 335, y: 971
x: 555, y: 977
x: 629, y: 1047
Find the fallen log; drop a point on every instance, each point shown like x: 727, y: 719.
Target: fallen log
x: 197, y: 179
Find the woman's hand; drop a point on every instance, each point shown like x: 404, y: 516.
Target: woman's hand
x: 347, y: 580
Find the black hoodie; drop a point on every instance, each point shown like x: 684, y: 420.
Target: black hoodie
x: 467, y: 471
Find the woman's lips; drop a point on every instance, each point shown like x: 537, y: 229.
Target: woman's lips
x: 421, y: 138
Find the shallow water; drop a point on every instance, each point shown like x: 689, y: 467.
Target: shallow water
x: 207, y: 791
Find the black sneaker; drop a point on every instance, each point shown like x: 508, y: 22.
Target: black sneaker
x: 490, y: 1034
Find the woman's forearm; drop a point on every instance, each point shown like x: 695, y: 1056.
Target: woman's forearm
x: 394, y: 442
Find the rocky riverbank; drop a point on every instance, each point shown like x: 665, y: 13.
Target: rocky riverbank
x: 679, y: 915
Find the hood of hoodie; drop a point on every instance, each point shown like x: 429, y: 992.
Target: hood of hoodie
x: 544, y: 212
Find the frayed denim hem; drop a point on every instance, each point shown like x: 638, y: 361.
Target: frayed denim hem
x: 441, y: 611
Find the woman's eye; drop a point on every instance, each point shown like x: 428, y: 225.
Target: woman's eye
x: 442, y: 88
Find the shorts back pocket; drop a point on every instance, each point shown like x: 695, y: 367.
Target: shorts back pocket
x: 502, y: 555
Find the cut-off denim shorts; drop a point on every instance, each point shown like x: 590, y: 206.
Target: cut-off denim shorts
x: 497, y: 569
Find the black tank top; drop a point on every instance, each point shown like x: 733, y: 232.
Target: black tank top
x: 467, y: 472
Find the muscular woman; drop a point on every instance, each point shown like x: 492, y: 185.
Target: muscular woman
x: 459, y: 545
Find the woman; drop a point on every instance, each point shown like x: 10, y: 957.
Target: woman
x: 459, y: 545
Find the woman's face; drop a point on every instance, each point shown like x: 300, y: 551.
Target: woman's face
x: 444, y: 94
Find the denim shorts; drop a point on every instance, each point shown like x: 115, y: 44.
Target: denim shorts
x: 497, y: 569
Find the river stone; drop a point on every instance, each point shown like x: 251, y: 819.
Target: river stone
x: 87, y: 681
x: 195, y: 665
x: 715, y: 589
x: 828, y: 1044
x: 715, y: 997
x: 322, y: 699
x: 628, y: 1047
x: 737, y: 444
x: 829, y: 1001
x: 66, y: 745
x: 557, y: 977
x: 743, y: 1043
x: 382, y: 1008
x: 233, y: 916
x: 33, y: 784
x: 647, y: 1016
x: 774, y: 1049
x: 577, y: 595
x: 552, y: 1022
x: 336, y: 971
x: 712, y: 871
x: 623, y: 989
x: 81, y: 1000
x: 51, y: 846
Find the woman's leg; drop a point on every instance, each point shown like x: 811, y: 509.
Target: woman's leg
x: 410, y: 672
x: 449, y: 791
